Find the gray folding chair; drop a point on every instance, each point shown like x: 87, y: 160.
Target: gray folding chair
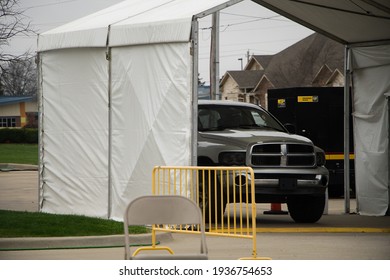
x: 166, y: 210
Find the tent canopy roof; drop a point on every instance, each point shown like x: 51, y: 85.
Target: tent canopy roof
x: 132, y: 22
x: 348, y: 22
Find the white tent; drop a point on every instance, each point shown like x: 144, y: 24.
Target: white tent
x: 364, y: 27
x: 118, y: 97
x: 116, y: 100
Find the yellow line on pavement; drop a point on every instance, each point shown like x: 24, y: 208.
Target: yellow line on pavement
x: 310, y: 230
x: 324, y: 230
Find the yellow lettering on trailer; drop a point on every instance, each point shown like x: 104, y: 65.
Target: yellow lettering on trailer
x: 282, y: 103
x: 308, y: 99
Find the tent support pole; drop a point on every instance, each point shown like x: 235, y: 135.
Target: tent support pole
x: 40, y: 134
x: 388, y: 152
x: 109, y: 190
x: 195, y: 71
x: 109, y: 210
x: 347, y: 83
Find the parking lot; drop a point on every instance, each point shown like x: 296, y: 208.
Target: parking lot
x: 337, y: 236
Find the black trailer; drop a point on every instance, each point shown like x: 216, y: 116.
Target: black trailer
x: 317, y: 113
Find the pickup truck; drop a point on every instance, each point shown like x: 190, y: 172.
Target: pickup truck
x: 288, y: 168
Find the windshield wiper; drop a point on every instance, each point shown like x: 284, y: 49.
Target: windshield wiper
x: 249, y: 126
x: 212, y: 129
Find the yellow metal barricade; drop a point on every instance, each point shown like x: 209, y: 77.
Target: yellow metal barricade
x: 226, y: 196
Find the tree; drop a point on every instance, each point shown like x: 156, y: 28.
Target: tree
x: 12, y: 23
x: 19, y: 77
x: 17, y: 72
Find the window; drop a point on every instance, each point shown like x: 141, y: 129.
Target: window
x: 215, y: 117
x: 7, y: 122
x: 208, y: 118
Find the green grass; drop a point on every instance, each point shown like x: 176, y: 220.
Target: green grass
x: 19, y: 153
x: 34, y: 224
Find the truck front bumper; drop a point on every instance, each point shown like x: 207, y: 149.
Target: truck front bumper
x: 290, y: 181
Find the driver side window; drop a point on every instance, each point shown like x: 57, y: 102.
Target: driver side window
x: 208, y: 119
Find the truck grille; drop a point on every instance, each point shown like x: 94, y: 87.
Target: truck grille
x: 283, y: 155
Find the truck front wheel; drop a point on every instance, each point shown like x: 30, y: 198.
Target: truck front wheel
x: 212, y: 202
x: 306, y: 208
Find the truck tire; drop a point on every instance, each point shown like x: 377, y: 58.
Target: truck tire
x: 211, y: 198
x: 306, y: 208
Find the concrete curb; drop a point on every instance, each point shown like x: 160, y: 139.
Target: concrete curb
x: 35, y: 243
x: 6, y: 167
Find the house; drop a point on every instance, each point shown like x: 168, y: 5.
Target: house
x: 241, y: 85
x: 258, y: 62
x: 18, y: 111
x: 314, y: 61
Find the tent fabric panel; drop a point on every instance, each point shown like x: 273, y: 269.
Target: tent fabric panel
x: 146, y: 33
x: 371, y: 56
x: 131, y: 22
x: 92, y: 30
x: 73, y: 39
x: 338, y: 19
x: 151, y: 116
x: 107, y: 16
x: 74, y: 135
x: 371, y: 66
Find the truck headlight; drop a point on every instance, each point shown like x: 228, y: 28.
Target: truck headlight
x: 232, y: 158
x: 320, y: 157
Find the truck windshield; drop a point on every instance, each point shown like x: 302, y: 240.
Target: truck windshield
x: 220, y: 117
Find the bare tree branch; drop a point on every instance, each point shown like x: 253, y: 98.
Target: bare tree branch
x: 19, y: 77
x: 13, y: 23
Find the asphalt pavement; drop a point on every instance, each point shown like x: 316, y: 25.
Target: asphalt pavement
x: 336, y: 236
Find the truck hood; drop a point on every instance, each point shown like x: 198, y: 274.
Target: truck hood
x: 241, y: 138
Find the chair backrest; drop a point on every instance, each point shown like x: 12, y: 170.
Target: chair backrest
x: 163, y: 209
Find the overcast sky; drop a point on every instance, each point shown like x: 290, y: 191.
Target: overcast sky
x: 245, y: 27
